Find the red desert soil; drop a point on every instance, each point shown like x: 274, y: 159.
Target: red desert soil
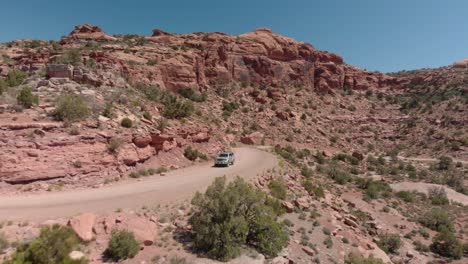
x: 174, y: 186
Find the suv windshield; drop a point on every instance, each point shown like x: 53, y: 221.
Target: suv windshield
x: 223, y: 155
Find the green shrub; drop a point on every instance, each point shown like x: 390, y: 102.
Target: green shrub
x: 192, y: 154
x: 15, y: 77
x: 177, y: 109
x: 3, y: 86
x: 122, y: 245
x: 446, y: 244
x: 108, y: 110
x: 436, y: 219
x: 191, y: 94
x: 229, y: 216
x: 162, y: 124
x: 53, y: 245
x: 373, y: 189
x: 328, y: 242
x: 126, y: 122
x: 3, y: 243
x: 346, y: 158
x: 229, y: 108
x: 26, y: 98
x: 278, y: 189
x: 407, y: 196
x: 147, y: 116
x: 71, y: 107
x: 390, y: 243
x: 114, y: 145
x: 307, y: 172
x: 420, y: 246
x: 340, y: 176
x: 174, y: 107
x: 311, y: 188
x: 438, y: 196
x: 72, y: 56
x: 444, y: 163
x: 353, y: 259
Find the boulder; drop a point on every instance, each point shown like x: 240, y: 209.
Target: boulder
x: 254, y: 138
x: 83, y: 226
x: 59, y: 71
x: 141, y: 141
x: 302, y: 202
x: 143, y: 229
x: 288, y: 206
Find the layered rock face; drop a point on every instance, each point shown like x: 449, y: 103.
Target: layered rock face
x: 257, y: 58
x: 90, y: 32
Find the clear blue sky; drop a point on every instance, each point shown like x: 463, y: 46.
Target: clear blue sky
x: 372, y: 34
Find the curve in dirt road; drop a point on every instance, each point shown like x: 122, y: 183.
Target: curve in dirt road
x: 175, y: 186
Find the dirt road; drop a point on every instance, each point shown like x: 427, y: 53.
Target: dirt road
x: 175, y: 186
x: 424, y: 188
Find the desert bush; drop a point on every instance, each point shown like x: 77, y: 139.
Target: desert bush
x: 307, y: 172
x: 192, y: 95
x: 15, y: 77
x: 419, y: 246
x: 147, y: 115
x: 53, y: 245
x: 162, y: 124
x: 228, y: 216
x: 407, y: 196
x: 373, y: 189
x: 108, y: 110
x: 438, y: 196
x: 71, y: 107
x: 444, y: 163
x: 278, y: 189
x: 174, y: 107
x: 390, y: 243
x: 229, y: 108
x: 354, y: 259
x: 114, y: 145
x: 446, y: 244
x: 436, y: 219
x: 177, y: 109
x: 3, y: 86
x: 3, y: 243
x: 192, y: 154
x: 122, y: 245
x: 126, y: 122
x: 311, y: 188
x: 337, y: 174
x: 26, y: 98
x: 71, y: 56
x: 346, y: 158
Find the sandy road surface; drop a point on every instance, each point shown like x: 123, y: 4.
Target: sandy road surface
x: 424, y: 188
x: 175, y: 186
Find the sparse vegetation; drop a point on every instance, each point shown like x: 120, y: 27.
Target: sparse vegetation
x: 71, y: 108
x: 436, y: 219
x: 278, y: 189
x: 122, y: 245
x: 193, y: 154
x: 354, y: 259
x: 26, y: 98
x: 126, y: 122
x: 229, y: 216
x: 71, y: 56
x: 53, y: 245
x: 390, y: 243
x: 447, y: 245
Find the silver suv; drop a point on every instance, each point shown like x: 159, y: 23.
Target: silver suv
x: 225, y: 159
